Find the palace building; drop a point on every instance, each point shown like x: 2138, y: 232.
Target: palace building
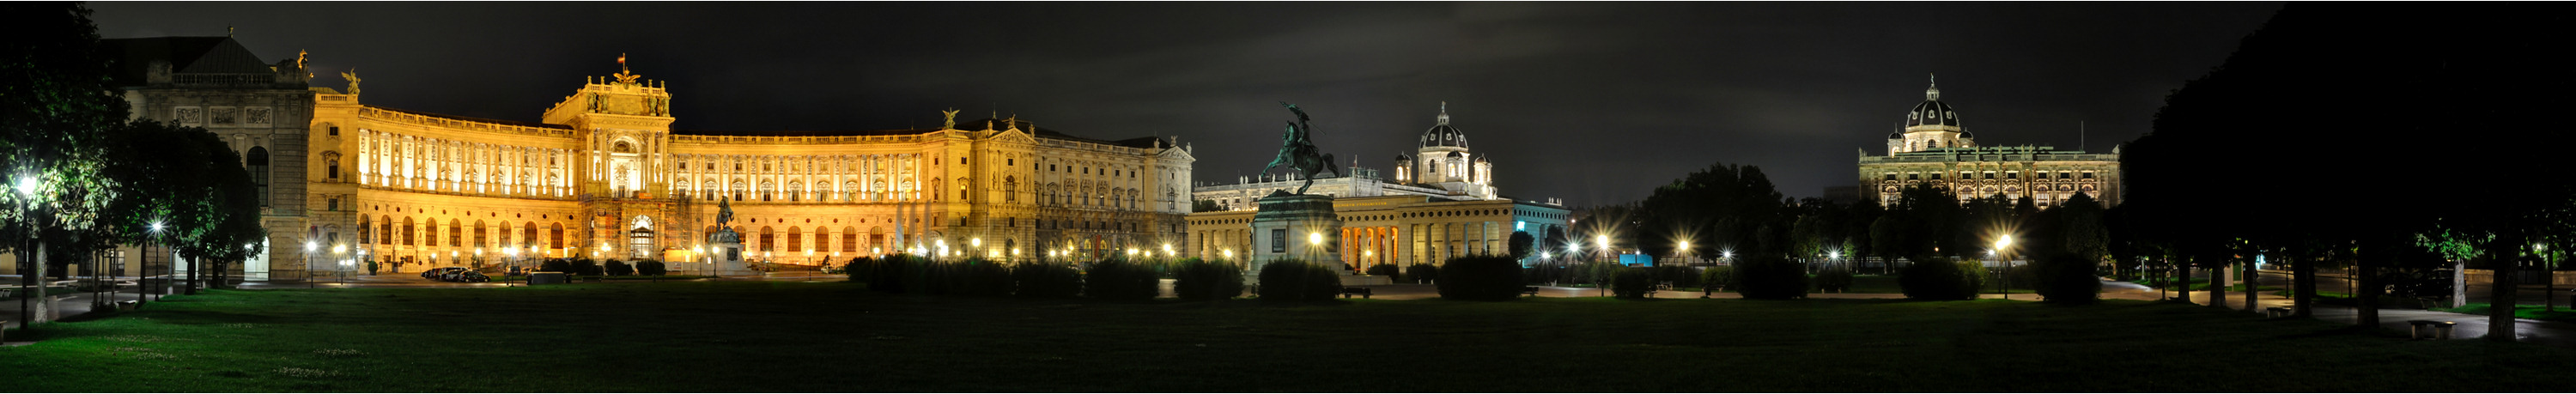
x: 602, y: 174
x: 1441, y: 203
x: 1934, y: 150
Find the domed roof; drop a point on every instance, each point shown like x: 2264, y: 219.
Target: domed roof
x: 1932, y: 111
x: 1441, y: 134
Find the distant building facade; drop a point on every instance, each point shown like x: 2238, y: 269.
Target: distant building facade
x: 604, y: 175
x: 1935, y: 151
x: 1440, y: 203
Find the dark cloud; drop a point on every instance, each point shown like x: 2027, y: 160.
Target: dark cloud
x: 1591, y: 102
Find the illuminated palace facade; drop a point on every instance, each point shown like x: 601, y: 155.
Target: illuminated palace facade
x: 1933, y: 150
x: 1441, y: 203
x: 604, y: 175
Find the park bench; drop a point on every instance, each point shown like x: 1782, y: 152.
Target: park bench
x: 1529, y: 291
x: 1362, y: 291
x: 2276, y: 312
x: 2430, y: 329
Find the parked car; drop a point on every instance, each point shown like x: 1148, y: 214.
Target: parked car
x: 468, y: 276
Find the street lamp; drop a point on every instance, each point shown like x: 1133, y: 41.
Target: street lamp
x: 308, y: 264
x: 1313, y: 240
x: 1684, y: 247
x: 2005, y: 277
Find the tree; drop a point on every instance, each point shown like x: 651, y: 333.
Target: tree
x: 1520, y: 245
x: 54, y: 113
x: 1205, y: 206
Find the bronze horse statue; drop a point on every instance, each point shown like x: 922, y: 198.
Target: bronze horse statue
x: 1299, y: 154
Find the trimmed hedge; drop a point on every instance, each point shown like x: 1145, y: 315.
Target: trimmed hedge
x: 2065, y: 279
x: 1422, y: 273
x: 1632, y: 282
x: 650, y: 267
x: 1481, y: 278
x: 1680, y: 276
x: 1383, y: 270
x: 1834, y: 280
x: 1941, y: 279
x: 1200, y: 280
x: 619, y: 268
x: 1298, y: 280
x: 894, y: 274
x: 1119, y: 279
x: 1770, y: 278
x: 1722, y: 277
x: 1046, y: 280
x: 586, y: 267
x: 555, y: 265
x: 972, y: 277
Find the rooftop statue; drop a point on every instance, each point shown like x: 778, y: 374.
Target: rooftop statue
x: 1298, y: 153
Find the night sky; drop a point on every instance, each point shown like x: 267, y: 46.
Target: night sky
x: 1590, y: 102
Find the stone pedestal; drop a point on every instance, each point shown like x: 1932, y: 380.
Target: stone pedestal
x: 1295, y: 226
x: 724, y: 249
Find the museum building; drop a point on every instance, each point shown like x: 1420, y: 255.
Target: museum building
x: 1441, y: 203
x: 1934, y: 151
x: 602, y: 174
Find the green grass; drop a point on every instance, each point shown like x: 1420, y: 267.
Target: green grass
x: 2534, y: 312
x: 798, y: 337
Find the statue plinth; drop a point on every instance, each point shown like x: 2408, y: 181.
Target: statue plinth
x: 724, y: 251
x: 1295, y: 226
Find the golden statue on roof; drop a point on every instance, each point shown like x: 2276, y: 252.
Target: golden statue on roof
x: 624, y: 75
x: 951, y: 122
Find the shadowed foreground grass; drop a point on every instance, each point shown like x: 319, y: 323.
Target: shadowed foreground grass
x: 754, y: 336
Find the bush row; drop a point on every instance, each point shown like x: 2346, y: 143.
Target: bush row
x: 583, y: 266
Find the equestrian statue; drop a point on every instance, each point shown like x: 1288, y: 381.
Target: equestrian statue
x: 1299, y: 154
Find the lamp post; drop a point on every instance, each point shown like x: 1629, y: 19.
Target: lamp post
x: 26, y: 308
x: 1314, y: 240
x: 2003, y: 247
x: 308, y: 264
x: 147, y: 262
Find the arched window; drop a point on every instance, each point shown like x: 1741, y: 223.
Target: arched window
x: 849, y: 239
x: 554, y: 237
x: 455, y: 232
x: 766, y: 189
x: 480, y: 240
x: 737, y: 190
x: 1010, y: 188
x: 852, y: 191
x: 527, y: 234
x: 795, y: 239
x: 258, y: 159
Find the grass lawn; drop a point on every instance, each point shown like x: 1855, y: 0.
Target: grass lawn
x: 796, y: 337
x: 2534, y: 312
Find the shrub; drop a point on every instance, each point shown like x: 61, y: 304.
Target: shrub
x: 1834, y: 280
x: 1545, y: 273
x: 1941, y: 279
x: 1632, y: 282
x: 651, y: 267
x: 897, y: 274
x: 1721, y: 277
x: 1298, y: 280
x: 1200, y: 280
x: 1046, y: 280
x: 2066, y: 279
x: 586, y: 267
x: 1119, y: 279
x: 1680, y: 276
x: 1383, y: 270
x: 971, y: 277
x: 619, y: 268
x: 555, y: 265
x: 1422, y: 273
x: 1770, y: 278
x: 1481, y: 278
